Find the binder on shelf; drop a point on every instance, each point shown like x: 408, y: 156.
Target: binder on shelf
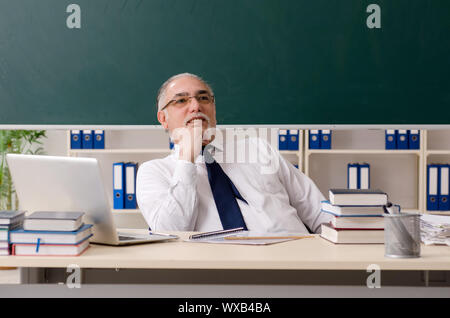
x: 283, y: 139
x: 414, y: 139
x: 325, y: 141
x: 293, y: 139
x: 171, y: 144
x: 402, y: 139
x: 364, y: 176
x: 444, y: 197
x: 130, y: 185
x: 118, y: 185
x: 99, y: 139
x: 433, y: 187
x: 314, y: 139
x: 391, y: 139
x: 87, y: 139
x: 76, y: 137
x: 352, y: 176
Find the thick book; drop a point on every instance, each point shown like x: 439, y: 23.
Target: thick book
x: 4, y: 244
x: 353, y: 210
x: 357, y: 197
x: 50, y: 249
x: 352, y: 236
x: 50, y: 237
x: 11, y: 217
x: 375, y: 223
x: 53, y: 221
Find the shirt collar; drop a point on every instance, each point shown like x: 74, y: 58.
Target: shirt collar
x: 218, y: 145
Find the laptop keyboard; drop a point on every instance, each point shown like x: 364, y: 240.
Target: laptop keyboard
x: 127, y: 238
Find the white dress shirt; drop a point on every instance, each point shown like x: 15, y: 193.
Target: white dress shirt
x: 175, y: 194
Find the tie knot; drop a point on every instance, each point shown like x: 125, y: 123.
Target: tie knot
x: 206, y: 152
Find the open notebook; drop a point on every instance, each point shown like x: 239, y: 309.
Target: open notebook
x: 243, y: 237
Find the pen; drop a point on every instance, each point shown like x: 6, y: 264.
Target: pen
x: 266, y: 237
x: 215, y: 233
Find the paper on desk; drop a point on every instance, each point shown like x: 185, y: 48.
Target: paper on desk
x: 435, y: 229
x: 221, y: 240
x: 247, y: 241
x: 436, y: 240
x: 439, y: 221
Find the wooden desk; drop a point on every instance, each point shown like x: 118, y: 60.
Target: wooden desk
x: 313, y: 254
x: 305, y: 254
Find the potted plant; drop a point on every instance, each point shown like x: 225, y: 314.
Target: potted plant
x: 15, y: 141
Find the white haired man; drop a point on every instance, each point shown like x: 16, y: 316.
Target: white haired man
x: 190, y: 191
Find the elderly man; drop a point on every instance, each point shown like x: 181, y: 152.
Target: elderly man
x: 190, y: 190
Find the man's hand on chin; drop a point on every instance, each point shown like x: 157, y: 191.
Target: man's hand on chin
x: 190, y: 140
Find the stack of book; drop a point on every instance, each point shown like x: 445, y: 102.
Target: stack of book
x: 51, y: 233
x: 9, y: 220
x: 357, y: 216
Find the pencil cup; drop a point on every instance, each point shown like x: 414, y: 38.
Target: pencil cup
x: 402, y: 235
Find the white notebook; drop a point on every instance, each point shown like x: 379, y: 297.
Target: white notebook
x: 243, y: 237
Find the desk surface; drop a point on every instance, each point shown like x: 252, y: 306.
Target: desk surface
x: 305, y: 254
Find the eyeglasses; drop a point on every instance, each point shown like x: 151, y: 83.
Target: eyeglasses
x: 181, y: 101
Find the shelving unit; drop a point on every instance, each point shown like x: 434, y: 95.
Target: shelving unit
x: 401, y: 173
x: 136, y: 151
x: 296, y: 156
x: 128, y: 146
x: 75, y: 152
x: 436, y: 150
x: 398, y: 172
x: 125, y: 146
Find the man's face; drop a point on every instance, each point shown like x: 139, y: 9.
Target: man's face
x: 184, y: 115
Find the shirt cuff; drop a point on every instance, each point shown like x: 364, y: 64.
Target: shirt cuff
x: 185, y: 172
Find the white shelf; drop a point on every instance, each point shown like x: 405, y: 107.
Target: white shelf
x: 117, y: 151
x: 290, y: 152
x: 364, y: 151
x: 410, y: 211
x: 126, y: 211
x: 438, y: 212
x: 437, y: 152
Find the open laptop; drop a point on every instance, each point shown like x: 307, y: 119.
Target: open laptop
x: 49, y: 183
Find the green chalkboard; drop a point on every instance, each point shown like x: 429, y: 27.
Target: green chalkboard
x: 268, y: 61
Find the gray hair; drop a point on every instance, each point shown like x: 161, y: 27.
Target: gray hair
x: 162, y: 91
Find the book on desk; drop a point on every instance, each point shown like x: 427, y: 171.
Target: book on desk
x: 62, y: 240
x: 352, y: 197
x: 9, y: 220
x: 50, y: 249
x: 357, y: 216
x: 53, y: 221
x: 50, y: 242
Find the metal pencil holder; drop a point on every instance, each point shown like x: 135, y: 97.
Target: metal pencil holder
x: 402, y: 235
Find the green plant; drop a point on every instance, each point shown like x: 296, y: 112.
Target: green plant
x: 16, y: 141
